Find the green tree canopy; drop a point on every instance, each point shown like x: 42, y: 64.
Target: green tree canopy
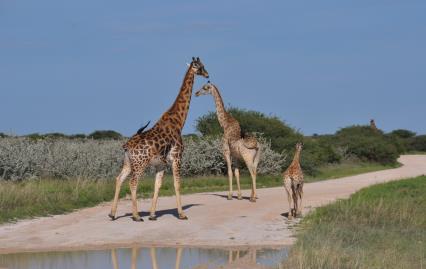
x: 105, y: 134
x: 402, y: 133
x: 368, y: 144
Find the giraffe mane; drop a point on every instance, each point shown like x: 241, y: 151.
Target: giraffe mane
x: 143, y: 128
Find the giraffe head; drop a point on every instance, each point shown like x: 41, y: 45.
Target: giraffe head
x: 299, y: 146
x: 206, y: 89
x: 198, y: 67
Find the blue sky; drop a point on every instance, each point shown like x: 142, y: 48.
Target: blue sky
x: 78, y: 66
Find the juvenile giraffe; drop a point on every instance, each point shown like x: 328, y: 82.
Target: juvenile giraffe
x: 293, y: 184
x: 156, y: 146
x: 234, y: 146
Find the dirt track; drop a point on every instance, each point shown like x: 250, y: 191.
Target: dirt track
x: 213, y: 220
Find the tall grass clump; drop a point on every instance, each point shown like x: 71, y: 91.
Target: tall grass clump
x: 37, y: 197
x: 383, y: 226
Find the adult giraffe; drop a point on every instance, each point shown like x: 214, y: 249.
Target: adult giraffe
x: 157, y: 145
x: 234, y: 146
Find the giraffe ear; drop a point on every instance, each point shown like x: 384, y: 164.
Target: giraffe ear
x: 188, y: 64
x: 193, y: 59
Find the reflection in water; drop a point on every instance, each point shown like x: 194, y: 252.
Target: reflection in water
x: 153, y: 254
x: 155, y: 258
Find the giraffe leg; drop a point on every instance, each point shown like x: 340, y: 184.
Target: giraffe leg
x: 237, y: 177
x: 133, y: 188
x: 253, y: 195
x: 227, y: 154
x: 295, y: 200
x: 119, y: 180
x: 249, y: 158
x: 176, y: 162
x: 287, y: 186
x: 158, y: 181
x: 257, y: 158
x: 300, y: 206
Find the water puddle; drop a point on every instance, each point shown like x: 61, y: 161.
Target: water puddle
x: 155, y: 258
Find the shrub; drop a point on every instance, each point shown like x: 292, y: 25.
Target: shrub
x: 107, y: 134
x: 401, y: 138
x: 22, y: 158
x: 316, y: 152
x: 367, y: 144
x: 418, y: 143
x: 402, y: 133
x: 25, y: 158
x: 203, y: 156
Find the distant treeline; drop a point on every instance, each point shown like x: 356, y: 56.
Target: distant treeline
x: 102, y: 134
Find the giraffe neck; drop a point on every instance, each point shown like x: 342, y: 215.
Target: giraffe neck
x: 220, y: 108
x: 179, y: 110
x: 296, y: 158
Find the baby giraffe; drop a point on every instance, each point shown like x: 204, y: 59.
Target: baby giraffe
x: 293, y: 184
x: 234, y: 146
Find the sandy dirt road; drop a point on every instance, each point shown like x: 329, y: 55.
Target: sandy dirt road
x: 213, y: 220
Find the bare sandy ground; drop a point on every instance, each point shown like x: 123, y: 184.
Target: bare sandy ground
x: 213, y: 220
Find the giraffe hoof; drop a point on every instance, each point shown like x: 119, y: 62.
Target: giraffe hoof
x: 112, y: 216
x: 152, y: 218
x: 137, y: 219
x: 253, y: 199
x: 240, y: 197
x: 183, y: 217
x: 229, y: 197
x: 290, y: 217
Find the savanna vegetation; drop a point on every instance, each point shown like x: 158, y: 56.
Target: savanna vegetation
x: 383, y: 226
x: 352, y: 145
x: 45, y: 173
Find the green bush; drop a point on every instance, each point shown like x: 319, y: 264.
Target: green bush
x: 401, y: 138
x: 418, y: 143
x: 367, y: 144
x: 105, y: 134
x: 317, y: 152
x: 402, y: 133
